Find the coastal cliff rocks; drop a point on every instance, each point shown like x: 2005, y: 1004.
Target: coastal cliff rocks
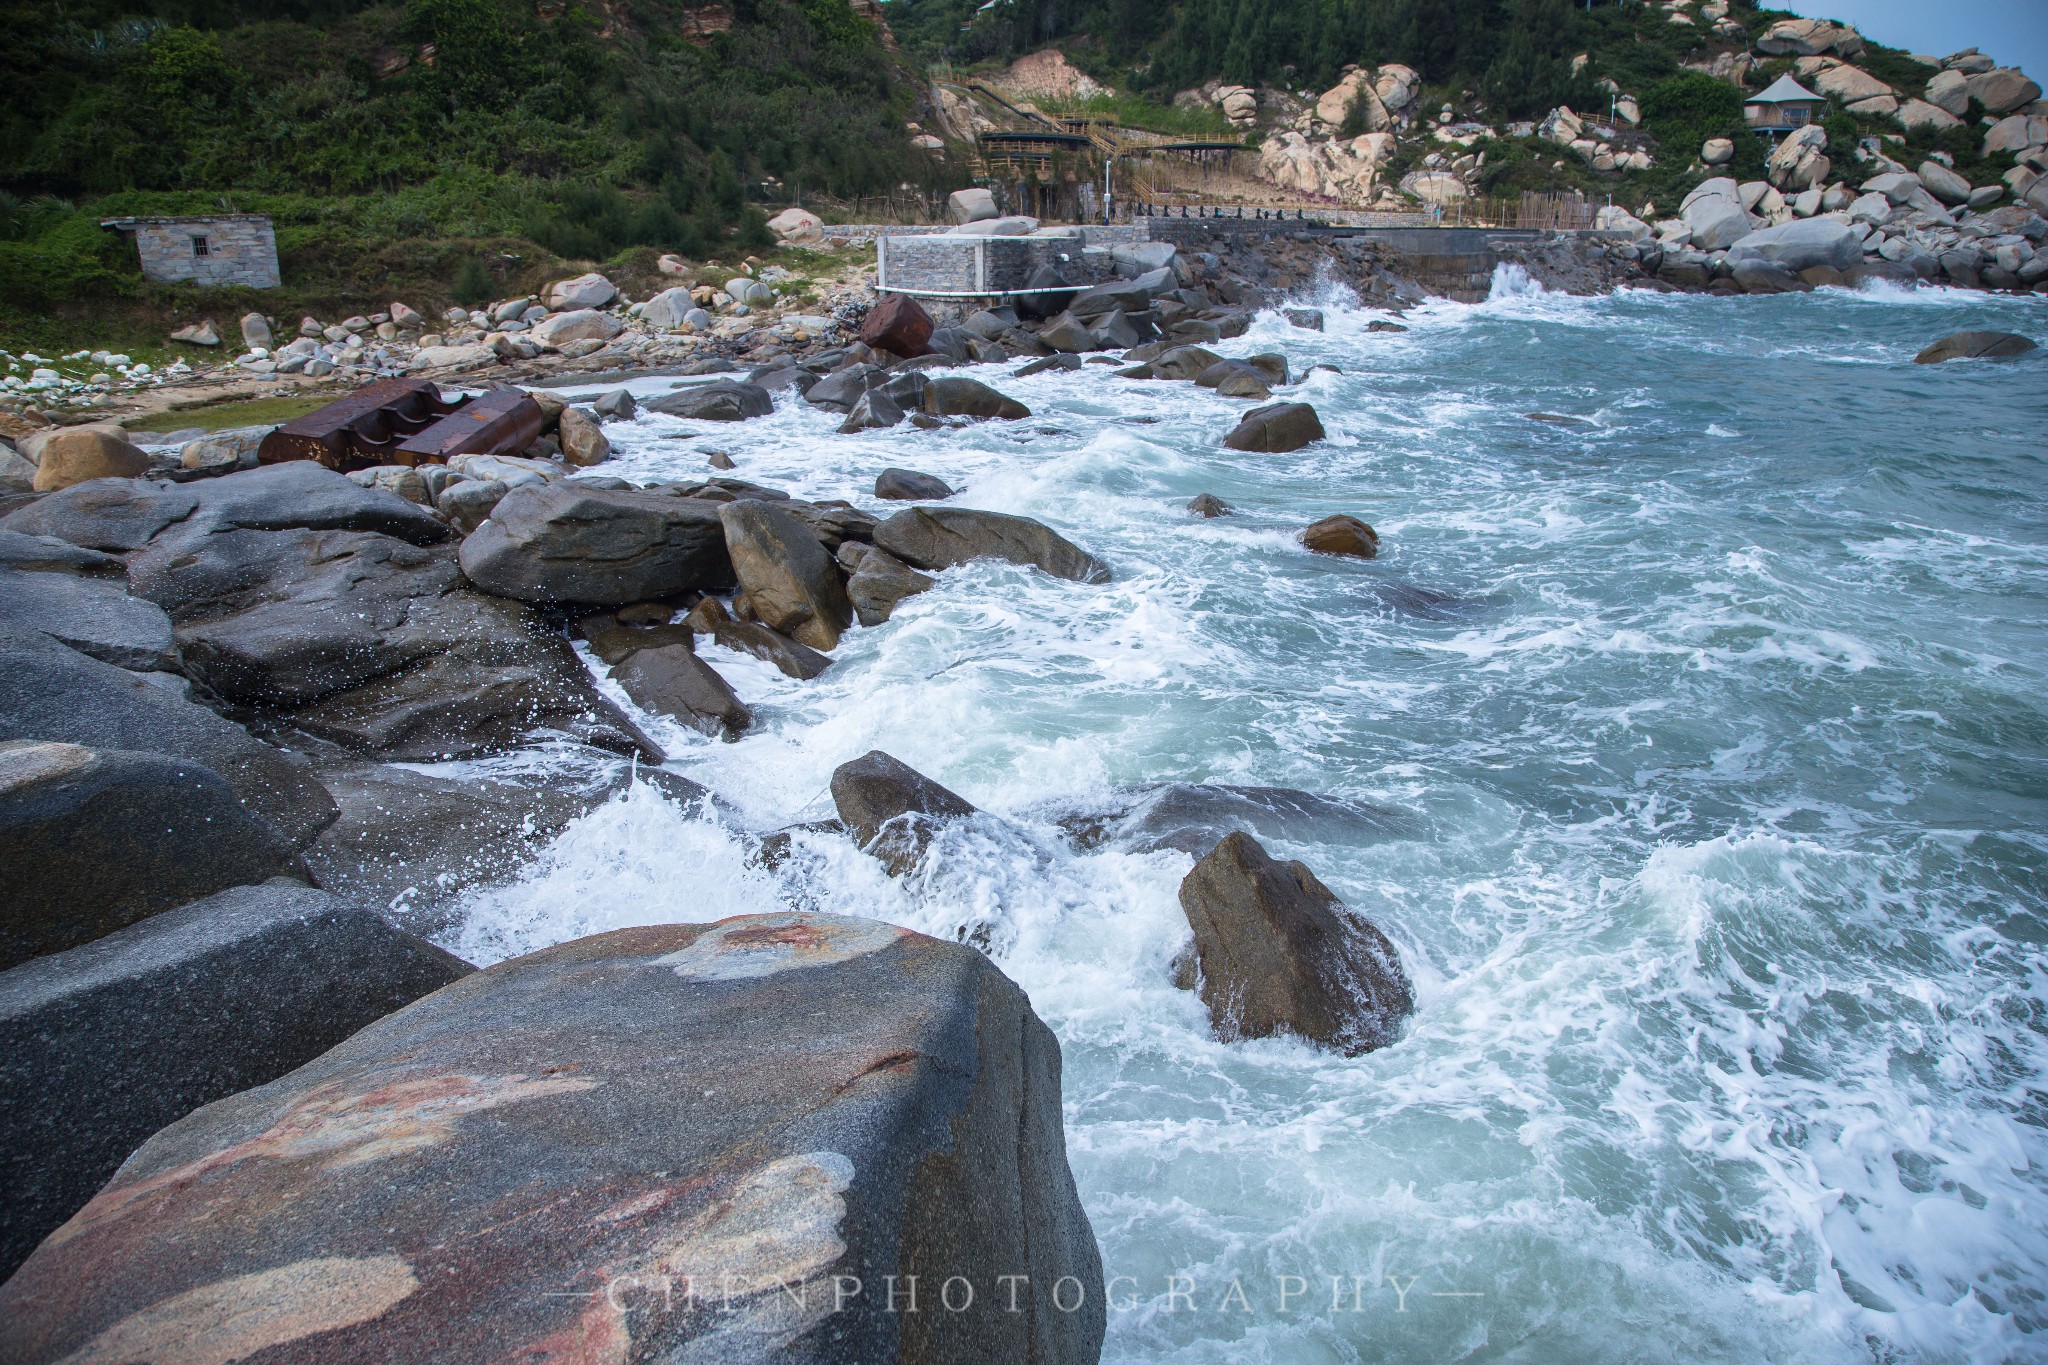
x: 106, y: 1043
x: 424, y: 1190
x: 1975, y: 346
x: 787, y: 574
x: 1275, y: 952
x: 95, y: 839
x: 892, y: 810
x: 944, y: 537
x: 604, y: 547
x: 1276, y: 429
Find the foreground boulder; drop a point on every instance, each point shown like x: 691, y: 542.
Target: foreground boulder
x: 97, y: 839
x: 49, y: 691
x: 787, y: 575
x: 1975, y: 346
x: 1342, y: 534
x: 566, y: 542
x: 892, y: 810
x: 944, y: 537
x: 105, y: 1044
x: 503, y: 1171
x: 1275, y: 952
x: 1276, y: 428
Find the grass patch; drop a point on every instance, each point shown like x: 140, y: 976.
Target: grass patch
x: 249, y: 412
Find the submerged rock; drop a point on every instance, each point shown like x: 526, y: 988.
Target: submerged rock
x: 105, y: 1044
x: 1192, y: 816
x: 1208, y: 505
x: 574, y: 1154
x: 95, y: 839
x: 1975, y: 346
x: 1277, y: 953
x: 891, y: 809
x: 943, y: 537
x: 907, y: 485
x: 959, y: 397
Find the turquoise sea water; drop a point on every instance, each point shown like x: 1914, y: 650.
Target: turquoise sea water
x: 1711, y: 733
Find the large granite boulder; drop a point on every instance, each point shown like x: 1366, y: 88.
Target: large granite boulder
x: 844, y: 387
x: 1276, y: 429
x: 1800, y: 245
x: 794, y: 660
x: 685, y: 1142
x: 1343, y: 535
x: 961, y: 397
x: 375, y: 644
x: 897, y: 324
x: 786, y: 573
x: 1275, y: 952
x: 569, y: 542
x: 891, y: 809
x: 126, y: 514
x: 91, y: 613
x: 943, y: 537
x: 1975, y: 346
x: 722, y: 400
x: 96, y: 839
x: 103, y: 1045
x: 47, y: 554
x: 49, y: 691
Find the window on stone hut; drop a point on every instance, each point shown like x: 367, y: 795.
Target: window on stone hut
x: 199, y: 246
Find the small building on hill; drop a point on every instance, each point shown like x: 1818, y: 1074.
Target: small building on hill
x: 227, y: 249
x: 1786, y: 106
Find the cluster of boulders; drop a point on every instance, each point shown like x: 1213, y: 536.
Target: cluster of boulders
x: 1751, y: 237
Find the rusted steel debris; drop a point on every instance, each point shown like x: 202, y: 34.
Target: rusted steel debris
x: 405, y: 421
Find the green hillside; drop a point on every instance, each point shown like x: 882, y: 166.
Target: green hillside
x: 409, y: 143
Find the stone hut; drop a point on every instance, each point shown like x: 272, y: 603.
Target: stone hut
x: 228, y: 249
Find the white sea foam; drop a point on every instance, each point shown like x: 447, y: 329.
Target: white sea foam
x: 1719, y: 725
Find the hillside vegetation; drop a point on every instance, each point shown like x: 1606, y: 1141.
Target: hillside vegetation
x: 407, y: 143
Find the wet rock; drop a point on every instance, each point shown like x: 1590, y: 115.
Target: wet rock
x: 1069, y: 334
x: 943, y: 537
x: 833, y: 523
x: 583, y: 440
x: 710, y: 617
x: 891, y: 809
x: 82, y: 453
x: 615, y: 643
x: 1184, y: 362
x: 1045, y: 363
x: 1753, y: 276
x: 1310, y: 319
x: 1209, y: 505
x: 1970, y: 346
x: 786, y: 573
x: 1234, y: 379
x: 841, y: 389
x: 468, y: 502
x: 721, y: 400
x: 616, y: 406
x: 93, y: 615
x: 574, y: 543
x: 126, y: 514
x: 1191, y: 817
x: 907, y: 485
x: 103, y: 1045
x: 960, y: 397
x: 1276, y: 428
x: 675, y: 682
x: 1342, y: 534
x: 878, y: 581
x: 864, y: 1102
x: 899, y: 325
x: 1278, y: 953
x: 1380, y: 325
x: 95, y: 839
x: 47, y: 554
x: 49, y: 691
x: 872, y: 411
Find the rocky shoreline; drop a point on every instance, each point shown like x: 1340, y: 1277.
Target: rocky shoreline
x: 214, y: 669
